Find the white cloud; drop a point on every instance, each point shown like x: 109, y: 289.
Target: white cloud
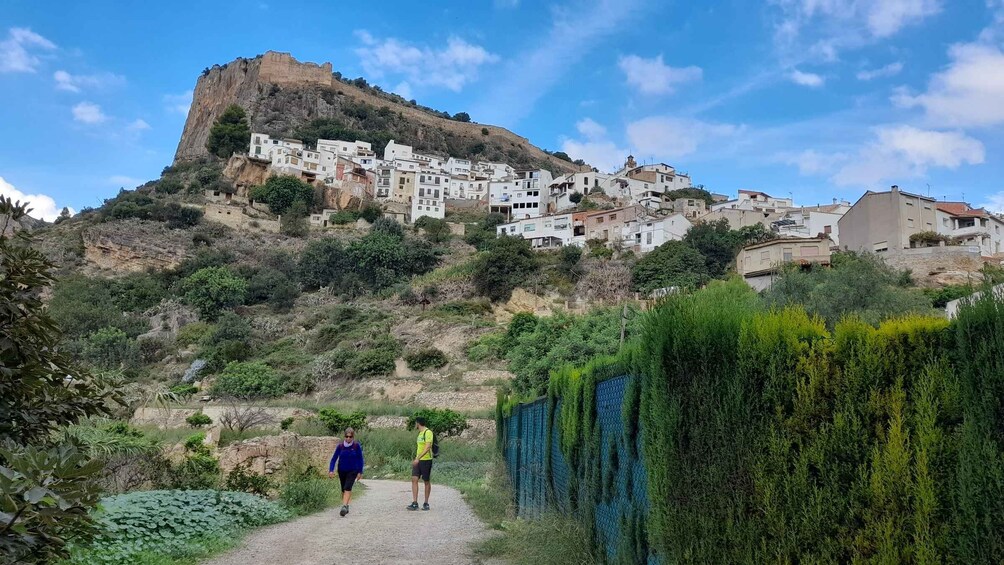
x: 821, y: 29
x: 138, y: 125
x: 88, y: 113
x: 16, y: 52
x: 890, y: 70
x: 602, y: 154
x: 123, y: 181
x: 810, y: 80
x: 994, y: 203
x: 576, y: 29
x: 665, y: 137
x: 811, y: 162
x: 42, y: 206
x: 178, y: 103
x: 506, y: 4
x: 403, y: 89
x: 590, y: 129
x: 76, y: 83
x: 908, y: 152
x: 451, y: 66
x: 652, y: 76
x: 968, y: 92
x: 886, y: 17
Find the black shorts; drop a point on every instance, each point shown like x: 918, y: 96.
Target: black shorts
x: 422, y: 470
x: 347, y: 478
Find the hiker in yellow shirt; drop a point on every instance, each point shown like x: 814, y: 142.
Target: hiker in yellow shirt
x: 421, y: 467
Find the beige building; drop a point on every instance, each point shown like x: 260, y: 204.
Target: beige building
x: 759, y: 264
x: 884, y: 221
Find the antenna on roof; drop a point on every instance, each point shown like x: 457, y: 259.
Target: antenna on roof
x: 928, y: 190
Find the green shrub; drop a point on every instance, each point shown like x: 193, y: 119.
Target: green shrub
x: 373, y: 363
x: 286, y: 423
x: 436, y: 230
x: 110, y: 348
x: 430, y: 358
x: 508, y: 262
x: 213, y: 289
x: 230, y: 133
x: 197, y: 472
x: 229, y: 327
x: 442, y: 421
x: 371, y: 212
x: 242, y: 479
x: 466, y: 308
x: 193, y: 333
x: 248, y: 380
x: 343, y: 217
x: 487, y: 347
x: 171, y: 523
x: 672, y: 264
x: 280, y: 192
x: 183, y: 390
x: 198, y: 420
x: 337, y: 422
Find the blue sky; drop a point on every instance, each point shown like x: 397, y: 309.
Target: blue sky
x: 818, y: 98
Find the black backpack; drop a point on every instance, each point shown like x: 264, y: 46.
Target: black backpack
x: 435, y: 445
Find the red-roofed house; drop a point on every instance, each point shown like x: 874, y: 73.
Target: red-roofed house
x: 971, y: 226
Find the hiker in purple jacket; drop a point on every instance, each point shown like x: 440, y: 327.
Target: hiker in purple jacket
x: 349, y: 456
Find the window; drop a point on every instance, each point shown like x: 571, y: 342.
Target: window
x: 585, y: 181
x: 880, y: 246
x: 909, y: 222
x: 648, y: 238
x: 599, y: 220
x: 810, y: 250
x: 613, y: 217
x: 787, y: 253
x: 908, y: 203
x: 827, y: 230
x: 764, y: 256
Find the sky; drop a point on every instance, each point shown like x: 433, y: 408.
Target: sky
x: 817, y: 99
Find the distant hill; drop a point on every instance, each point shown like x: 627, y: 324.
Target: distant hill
x: 284, y: 97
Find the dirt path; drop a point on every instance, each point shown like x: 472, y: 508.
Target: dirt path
x: 378, y: 530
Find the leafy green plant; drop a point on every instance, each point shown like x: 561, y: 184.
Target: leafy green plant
x: 171, y: 523
x: 286, y: 423
x: 46, y: 488
x: 198, y: 420
x: 248, y: 380
x: 230, y: 133
x: 508, y: 262
x: 213, y: 289
x: 442, y: 421
x: 242, y: 479
x: 430, y: 358
x: 337, y: 422
x: 280, y: 192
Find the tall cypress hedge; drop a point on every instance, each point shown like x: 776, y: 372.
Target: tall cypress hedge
x: 768, y: 438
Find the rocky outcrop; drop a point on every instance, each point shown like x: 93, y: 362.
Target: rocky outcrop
x: 132, y: 246
x: 245, y: 173
x: 281, y: 94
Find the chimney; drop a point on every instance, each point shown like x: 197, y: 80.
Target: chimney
x: 895, y: 188
x: 834, y: 200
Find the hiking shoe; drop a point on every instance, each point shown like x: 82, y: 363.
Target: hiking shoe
x: 413, y: 506
x: 345, y: 510
x: 425, y: 506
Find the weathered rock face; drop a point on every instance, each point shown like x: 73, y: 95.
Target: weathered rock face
x: 245, y: 173
x: 131, y: 246
x: 280, y: 94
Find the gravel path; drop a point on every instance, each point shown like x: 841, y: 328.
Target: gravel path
x: 378, y: 530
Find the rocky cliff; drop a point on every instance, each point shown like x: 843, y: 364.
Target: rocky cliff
x: 282, y: 95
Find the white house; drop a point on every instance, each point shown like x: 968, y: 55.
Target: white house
x: 525, y: 196
x: 458, y: 167
x: 395, y: 151
x: 430, y: 194
x: 970, y: 226
x: 812, y: 222
x: 754, y: 200
x: 645, y: 233
x: 543, y: 231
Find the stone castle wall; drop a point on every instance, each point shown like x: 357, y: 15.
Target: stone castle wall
x: 282, y: 69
